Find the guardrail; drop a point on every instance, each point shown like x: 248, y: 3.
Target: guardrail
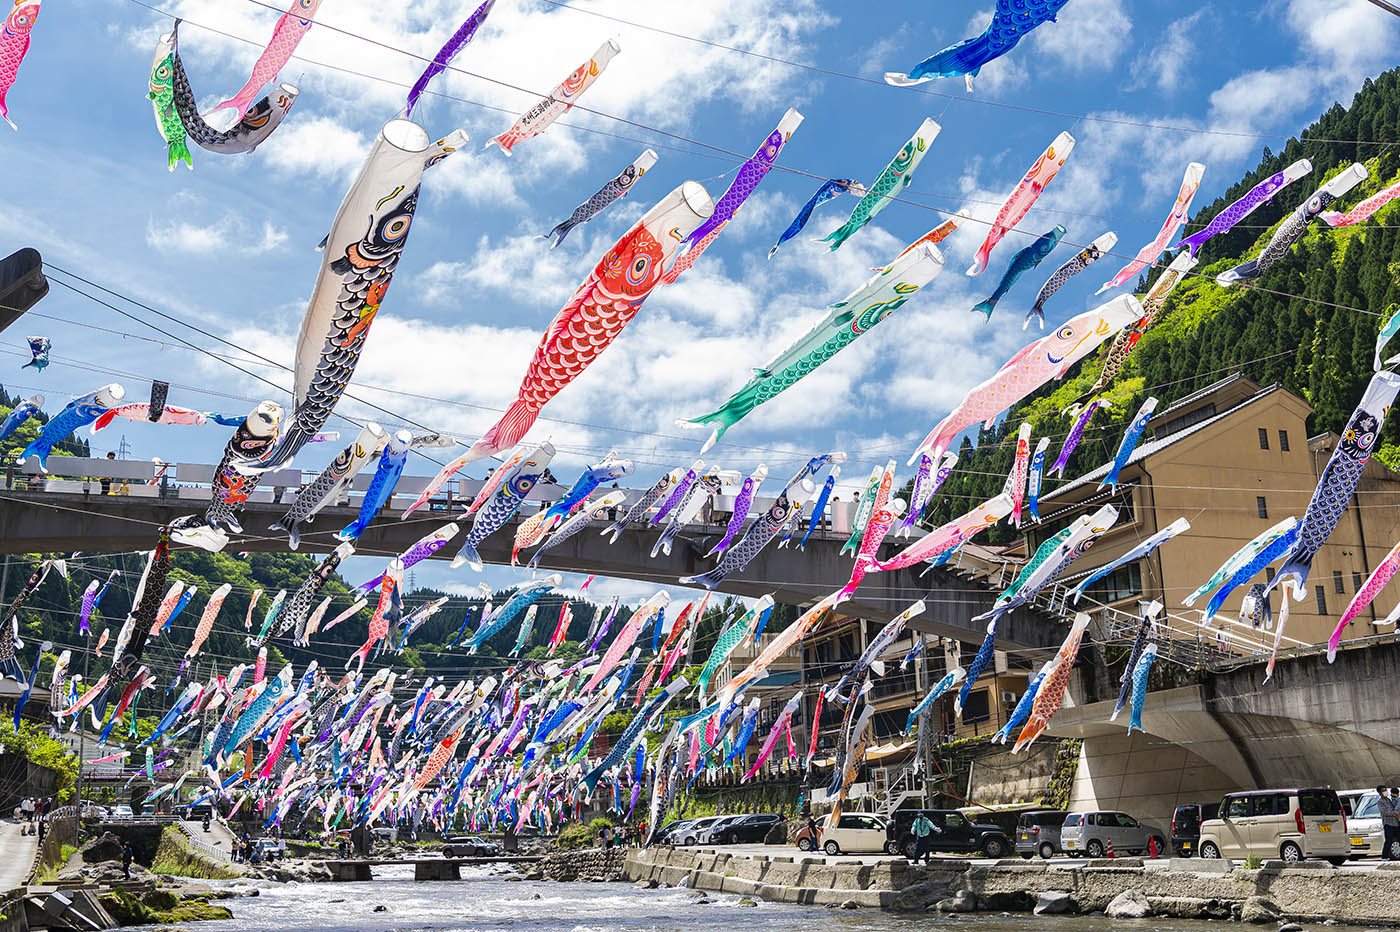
x: 203, y: 847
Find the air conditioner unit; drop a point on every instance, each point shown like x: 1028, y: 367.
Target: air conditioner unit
x: 1008, y: 697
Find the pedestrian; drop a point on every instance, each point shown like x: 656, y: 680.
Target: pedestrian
x: 923, y: 829
x: 814, y: 833
x: 127, y: 857
x: 1390, y: 822
x: 106, y: 481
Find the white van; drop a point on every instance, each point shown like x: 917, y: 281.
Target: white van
x: 856, y: 832
x: 1288, y: 824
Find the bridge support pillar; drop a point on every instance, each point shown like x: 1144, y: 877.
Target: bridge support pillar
x: 351, y: 870
x: 436, y: 870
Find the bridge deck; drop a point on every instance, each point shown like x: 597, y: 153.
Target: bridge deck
x: 48, y: 521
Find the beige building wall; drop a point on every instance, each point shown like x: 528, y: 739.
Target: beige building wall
x: 1216, y: 478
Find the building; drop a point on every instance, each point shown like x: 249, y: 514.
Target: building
x: 1233, y: 459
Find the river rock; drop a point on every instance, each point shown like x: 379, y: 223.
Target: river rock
x: 850, y: 904
x: 1290, y: 927
x: 963, y: 901
x: 920, y: 896
x: 1053, y: 903
x: 1130, y: 904
x: 746, y: 901
x: 1259, y: 909
x: 106, y: 847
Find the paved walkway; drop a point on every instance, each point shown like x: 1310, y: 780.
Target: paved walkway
x: 18, y: 854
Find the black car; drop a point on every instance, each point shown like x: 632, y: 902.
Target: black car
x: 194, y: 812
x: 1186, y: 826
x: 751, y: 829
x: 953, y: 832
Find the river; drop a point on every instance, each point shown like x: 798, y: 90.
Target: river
x: 486, y: 903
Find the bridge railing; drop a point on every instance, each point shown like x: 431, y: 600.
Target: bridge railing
x: 77, y: 475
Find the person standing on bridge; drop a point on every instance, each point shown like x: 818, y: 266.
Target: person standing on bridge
x: 1390, y: 822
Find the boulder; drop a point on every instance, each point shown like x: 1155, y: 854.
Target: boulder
x: 919, y: 896
x: 963, y: 901
x: 747, y: 901
x: 1016, y: 901
x: 1053, y: 903
x: 1290, y: 927
x: 850, y: 904
x: 160, y: 900
x: 105, y: 847
x: 1190, y: 907
x: 1259, y: 909
x: 1130, y: 904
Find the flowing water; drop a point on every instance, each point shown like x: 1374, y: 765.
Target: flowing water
x: 487, y: 903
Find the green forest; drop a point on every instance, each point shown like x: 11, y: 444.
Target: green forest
x: 1315, y: 344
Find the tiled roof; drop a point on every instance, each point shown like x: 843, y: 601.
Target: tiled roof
x: 1144, y: 450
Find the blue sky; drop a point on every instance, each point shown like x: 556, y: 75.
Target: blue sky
x: 230, y: 246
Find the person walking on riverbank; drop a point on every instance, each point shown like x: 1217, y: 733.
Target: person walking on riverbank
x: 127, y: 857
x: 923, y: 829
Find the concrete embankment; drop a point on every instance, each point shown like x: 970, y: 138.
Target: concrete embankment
x: 1191, y: 888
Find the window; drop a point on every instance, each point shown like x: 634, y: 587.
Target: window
x: 977, y: 708
x: 1263, y: 506
x: 1283, y: 441
x: 1123, y: 583
x: 1319, y: 802
x: 1337, y: 583
x: 1236, y: 807
x: 1184, y: 421
x: 1263, y: 439
x: 953, y: 820
x: 1321, y: 600
x: 1269, y: 573
x: 1355, y: 582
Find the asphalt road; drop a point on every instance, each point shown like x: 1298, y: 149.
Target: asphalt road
x: 876, y: 857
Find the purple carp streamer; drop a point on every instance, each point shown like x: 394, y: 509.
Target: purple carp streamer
x: 750, y: 174
x: 1259, y: 195
x: 464, y: 34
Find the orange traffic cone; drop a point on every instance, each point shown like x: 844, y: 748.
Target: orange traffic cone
x: 1152, y: 847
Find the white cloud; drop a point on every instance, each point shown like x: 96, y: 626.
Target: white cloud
x: 1088, y: 36
x: 1164, y: 62
x: 317, y: 146
x: 1349, y: 37
x: 229, y: 234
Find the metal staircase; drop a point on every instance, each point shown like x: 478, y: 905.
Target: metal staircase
x: 909, y: 784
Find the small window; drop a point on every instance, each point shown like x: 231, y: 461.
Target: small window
x: 953, y: 820
x: 1337, y: 585
x: 978, y: 708
x: 1262, y: 505
x: 1263, y: 439
x: 1355, y: 582
x: 1237, y: 807
x: 1283, y: 441
x: 1269, y: 573
x: 1321, y: 600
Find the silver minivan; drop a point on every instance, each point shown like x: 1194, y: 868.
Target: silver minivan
x: 1091, y: 833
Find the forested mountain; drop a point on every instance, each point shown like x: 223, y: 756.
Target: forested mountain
x: 1296, y: 325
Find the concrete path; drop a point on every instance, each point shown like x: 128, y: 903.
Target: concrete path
x: 18, y: 854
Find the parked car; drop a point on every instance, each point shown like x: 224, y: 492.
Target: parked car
x: 122, y: 813
x: 663, y: 834
x: 1291, y: 824
x: 269, y: 849
x: 1352, y: 798
x: 855, y: 832
x: 1039, y: 833
x: 1186, y: 826
x: 387, y: 833
x: 691, y: 833
x: 749, y: 829
x: 469, y: 846
x: 194, y: 812
x: 1364, y: 827
x: 954, y: 832
x: 1089, y: 834
x: 709, y: 834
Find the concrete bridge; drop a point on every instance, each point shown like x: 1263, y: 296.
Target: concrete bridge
x: 1224, y: 729
x: 63, y: 515
x: 423, y: 868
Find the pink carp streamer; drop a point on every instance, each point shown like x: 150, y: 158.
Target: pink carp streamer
x: 1363, y: 211
x: 1031, y: 186
x: 285, y: 35
x: 1364, y: 596
x: 1148, y: 254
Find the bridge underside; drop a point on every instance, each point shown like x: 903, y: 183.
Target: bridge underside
x: 48, y: 522
x: 1313, y: 724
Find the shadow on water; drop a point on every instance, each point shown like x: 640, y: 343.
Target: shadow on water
x: 484, y: 902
